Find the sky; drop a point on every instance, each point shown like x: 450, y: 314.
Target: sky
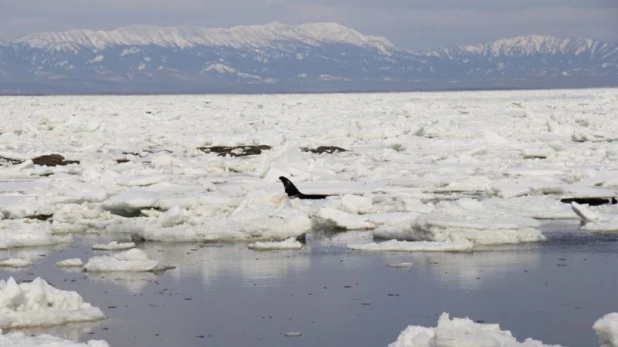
x: 415, y: 24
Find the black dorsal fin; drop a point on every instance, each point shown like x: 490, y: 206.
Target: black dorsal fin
x: 290, y: 188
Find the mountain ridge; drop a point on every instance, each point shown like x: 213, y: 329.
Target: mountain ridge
x: 306, y: 57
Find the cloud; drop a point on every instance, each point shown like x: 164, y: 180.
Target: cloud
x: 410, y: 23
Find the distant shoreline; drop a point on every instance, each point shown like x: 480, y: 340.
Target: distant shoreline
x: 308, y: 92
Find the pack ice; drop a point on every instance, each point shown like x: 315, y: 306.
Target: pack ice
x: 458, y: 332
x: 36, y: 304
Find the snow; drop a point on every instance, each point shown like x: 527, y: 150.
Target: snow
x: 191, y: 36
x: 440, y: 167
x: 36, y: 303
x: 461, y: 332
x: 23, y: 340
x: 114, y: 246
x: 69, y: 263
x: 133, y: 260
x: 290, y: 243
x: 607, y: 330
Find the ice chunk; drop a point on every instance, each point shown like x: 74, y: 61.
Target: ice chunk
x: 343, y: 220
x: 478, y: 228
x: 607, y: 330
x: 460, y: 332
x: 36, y: 303
x: 73, y: 262
x: 15, y: 262
x: 133, y: 260
x: 290, y: 243
x: 594, y: 221
x: 28, y: 233
x: 114, y: 246
x: 415, y: 246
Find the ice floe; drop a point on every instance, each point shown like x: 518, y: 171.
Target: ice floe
x: 133, y: 260
x: 114, y: 246
x: 290, y: 243
x: 36, y: 303
x: 29, y: 233
x: 15, y: 262
x: 415, y: 246
x: 70, y: 263
x: 466, y: 219
x: 595, y: 220
x: 606, y: 328
x: 461, y: 332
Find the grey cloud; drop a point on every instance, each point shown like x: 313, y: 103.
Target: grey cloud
x: 410, y: 23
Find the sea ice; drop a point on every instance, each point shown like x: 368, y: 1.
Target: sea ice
x: 594, y: 220
x: 15, y: 262
x: 68, y: 263
x: 467, y: 219
x: 133, y: 260
x: 414, y: 246
x: 114, y: 246
x: 290, y: 243
x: 606, y: 328
x: 36, y: 303
x: 459, y: 332
x: 29, y: 233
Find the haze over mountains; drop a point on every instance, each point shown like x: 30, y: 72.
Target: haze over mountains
x: 284, y: 58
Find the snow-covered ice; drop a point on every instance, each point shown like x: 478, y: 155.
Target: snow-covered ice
x: 114, y: 246
x: 29, y: 233
x: 36, y: 303
x: 15, y: 262
x: 70, y: 263
x: 606, y: 328
x: 290, y: 243
x: 414, y: 246
x: 133, y: 260
x: 141, y: 171
x: 458, y: 332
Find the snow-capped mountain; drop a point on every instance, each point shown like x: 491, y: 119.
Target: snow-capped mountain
x: 279, y: 57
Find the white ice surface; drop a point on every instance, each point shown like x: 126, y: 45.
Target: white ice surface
x: 29, y: 233
x: 290, y: 243
x: 36, y: 303
x: 518, y: 151
x: 595, y: 220
x: 23, y: 340
x: 114, y: 246
x: 414, y: 246
x: 606, y: 328
x: 461, y: 332
x: 69, y: 263
x: 133, y: 260
x: 480, y: 222
x: 15, y: 262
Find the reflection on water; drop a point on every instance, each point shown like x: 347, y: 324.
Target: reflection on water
x: 133, y: 282
x: 71, y: 331
x: 213, y: 261
x: 469, y: 270
x: 229, y: 295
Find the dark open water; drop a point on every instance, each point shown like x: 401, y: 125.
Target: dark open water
x: 228, y: 295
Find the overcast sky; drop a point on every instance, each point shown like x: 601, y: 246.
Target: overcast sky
x: 414, y: 24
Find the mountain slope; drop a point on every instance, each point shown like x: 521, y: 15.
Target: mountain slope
x: 278, y: 57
